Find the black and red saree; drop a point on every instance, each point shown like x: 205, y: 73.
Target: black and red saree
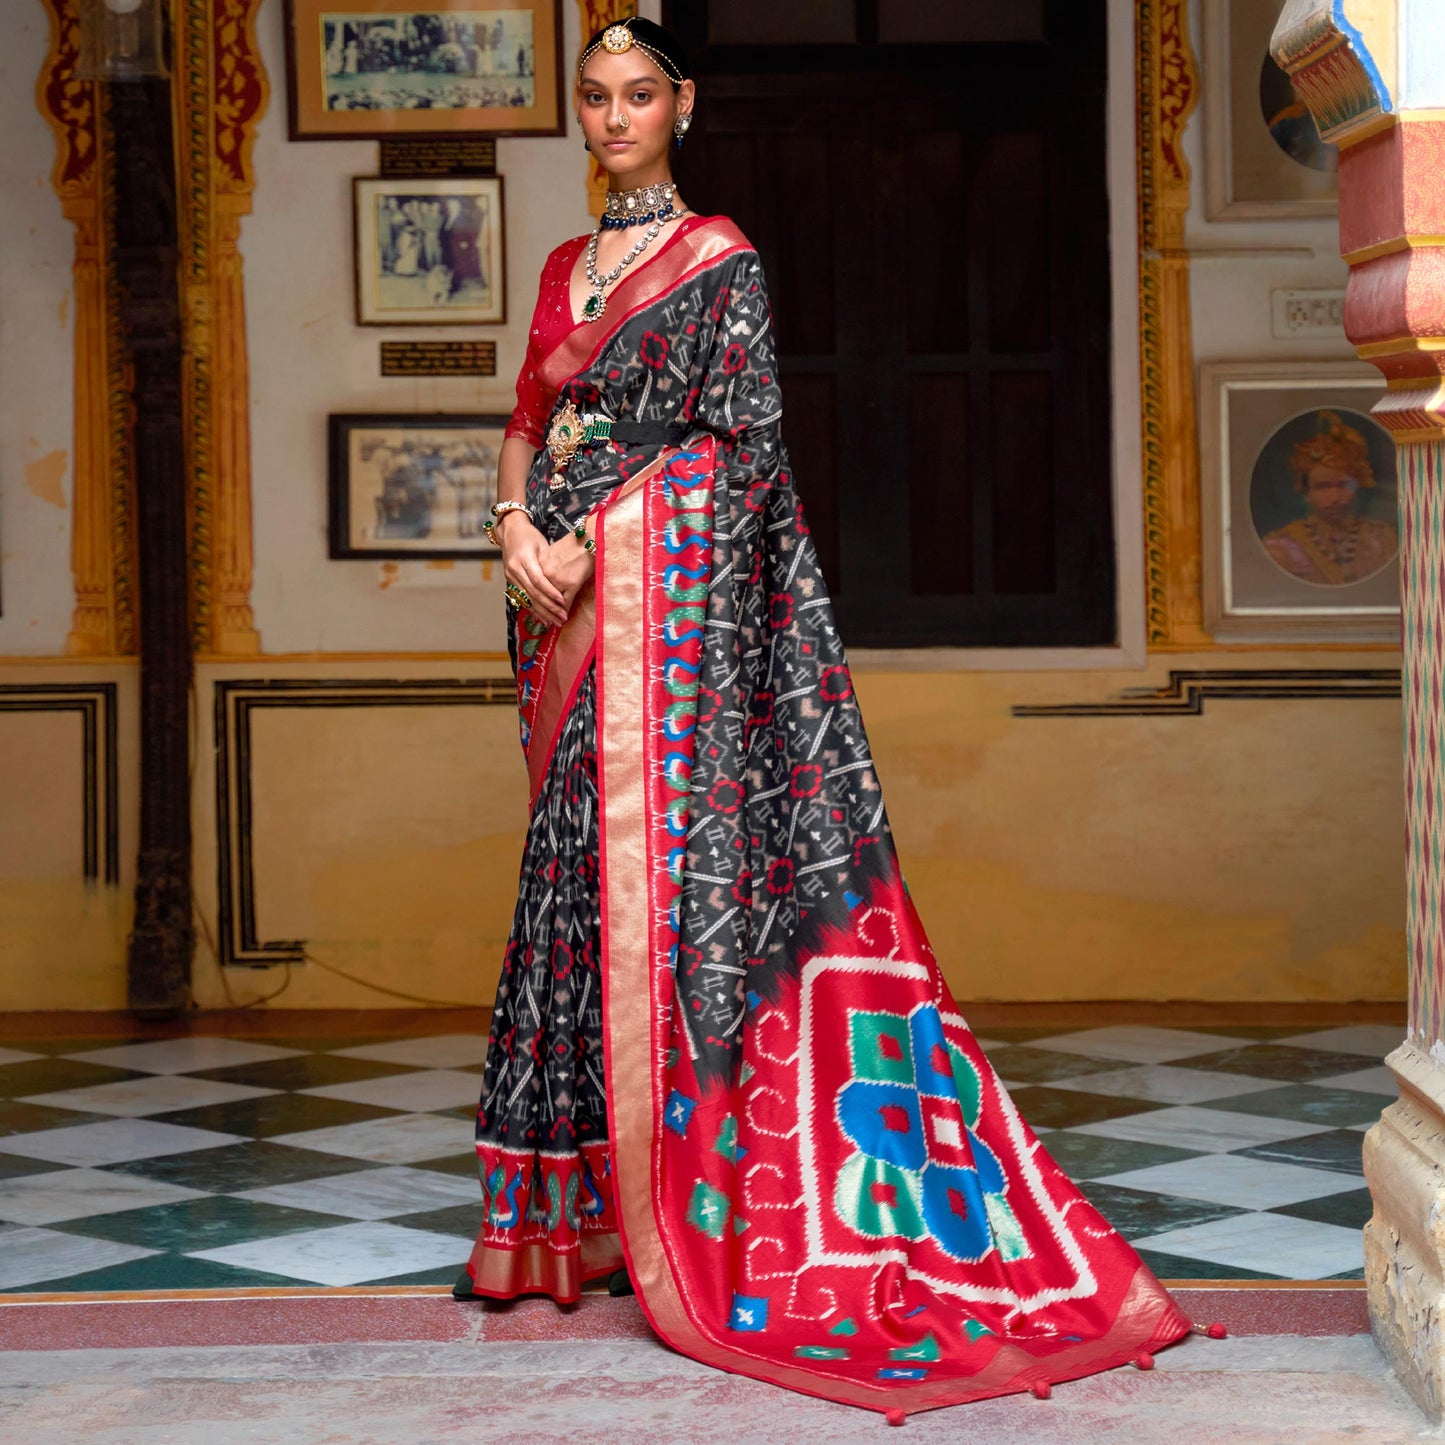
x: 723, y: 1049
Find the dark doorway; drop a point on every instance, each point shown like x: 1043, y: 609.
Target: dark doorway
x: 925, y: 183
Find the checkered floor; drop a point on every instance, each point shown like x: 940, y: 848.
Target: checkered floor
x: 205, y: 1163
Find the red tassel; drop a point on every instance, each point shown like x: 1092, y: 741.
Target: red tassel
x: 1144, y: 1360
x: 1216, y: 1331
x: 895, y: 1417
x: 1042, y: 1390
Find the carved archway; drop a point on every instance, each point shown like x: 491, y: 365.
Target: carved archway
x: 221, y: 92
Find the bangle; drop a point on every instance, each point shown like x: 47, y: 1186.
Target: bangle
x: 580, y: 532
x: 500, y: 510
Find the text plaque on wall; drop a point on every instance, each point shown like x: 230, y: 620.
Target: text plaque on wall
x: 438, y: 358
x: 413, y: 159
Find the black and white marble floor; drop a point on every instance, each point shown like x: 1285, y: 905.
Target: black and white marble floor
x: 226, y: 1162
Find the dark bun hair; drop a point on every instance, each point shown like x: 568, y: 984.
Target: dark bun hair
x: 658, y: 44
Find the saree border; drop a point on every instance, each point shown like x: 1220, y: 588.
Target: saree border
x: 563, y: 667
x: 570, y: 651
x: 709, y: 240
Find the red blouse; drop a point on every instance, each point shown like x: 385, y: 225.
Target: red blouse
x: 551, y: 324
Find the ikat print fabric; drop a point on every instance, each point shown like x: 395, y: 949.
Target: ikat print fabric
x: 816, y: 1176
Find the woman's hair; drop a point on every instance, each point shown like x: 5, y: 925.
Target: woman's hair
x: 656, y: 43
x: 1333, y: 445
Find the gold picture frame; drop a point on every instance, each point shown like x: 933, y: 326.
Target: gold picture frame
x: 370, y: 69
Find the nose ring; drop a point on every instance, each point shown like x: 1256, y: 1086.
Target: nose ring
x: 623, y: 121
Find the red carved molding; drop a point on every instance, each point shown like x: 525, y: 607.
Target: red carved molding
x: 240, y: 91
x: 1397, y: 296
x: 68, y: 104
x: 1177, y: 86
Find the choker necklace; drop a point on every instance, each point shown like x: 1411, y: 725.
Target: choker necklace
x: 639, y: 207
x: 596, y: 303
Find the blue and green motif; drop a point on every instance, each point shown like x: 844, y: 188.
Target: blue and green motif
x: 904, y: 1068
x: 686, y: 528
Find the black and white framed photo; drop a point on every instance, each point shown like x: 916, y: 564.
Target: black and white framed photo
x: 412, y: 485
x: 1300, y: 504
x: 369, y: 69
x: 430, y: 252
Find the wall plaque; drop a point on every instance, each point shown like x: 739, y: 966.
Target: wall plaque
x: 438, y: 358
x: 414, y: 157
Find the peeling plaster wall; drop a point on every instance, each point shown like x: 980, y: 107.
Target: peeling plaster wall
x: 36, y: 395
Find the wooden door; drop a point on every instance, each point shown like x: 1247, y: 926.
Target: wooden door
x: 933, y: 221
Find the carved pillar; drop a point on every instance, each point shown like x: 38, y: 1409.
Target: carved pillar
x: 1392, y: 232
x: 597, y: 14
x: 1168, y: 85
x: 140, y: 157
x: 102, y: 538
x: 222, y: 92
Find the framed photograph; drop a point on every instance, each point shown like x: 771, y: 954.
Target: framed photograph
x: 429, y: 252
x: 412, y: 485
x: 1301, y: 529
x: 359, y: 69
x: 1264, y: 156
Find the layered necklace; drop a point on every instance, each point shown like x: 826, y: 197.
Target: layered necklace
x: 650, y: 206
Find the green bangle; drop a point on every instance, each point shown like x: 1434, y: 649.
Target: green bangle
x: 580, y: 532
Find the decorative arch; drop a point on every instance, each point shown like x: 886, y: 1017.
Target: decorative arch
x: 102, y: 543
x: 1168, y: 90
x: 221, y: 92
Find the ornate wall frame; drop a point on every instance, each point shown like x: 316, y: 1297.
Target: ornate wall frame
x: 221, y: 94
x: 102, y: 543
x: 222, y: 91
x: 1168, y: 90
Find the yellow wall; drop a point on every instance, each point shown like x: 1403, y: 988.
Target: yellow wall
x: 62, y: 937
x: 1252, y: 852
x: 1249, y: 853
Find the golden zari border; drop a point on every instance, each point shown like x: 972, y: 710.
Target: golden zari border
x: 569, y: 658
x: 539, y: 1269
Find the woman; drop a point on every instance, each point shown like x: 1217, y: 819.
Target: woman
x: 722, y: 1052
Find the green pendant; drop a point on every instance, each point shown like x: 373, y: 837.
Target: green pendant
x: 593, y: 307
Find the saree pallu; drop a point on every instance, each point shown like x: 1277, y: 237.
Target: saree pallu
x: 815, y: 1176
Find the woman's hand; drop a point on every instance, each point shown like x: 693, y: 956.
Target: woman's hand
x: 569, y: 567
x: 524, y: 561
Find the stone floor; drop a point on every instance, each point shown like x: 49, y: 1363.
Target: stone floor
x: 208, y: 1162
x: 346, y: 1369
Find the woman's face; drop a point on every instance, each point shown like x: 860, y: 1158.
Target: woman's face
x: 629, y: 85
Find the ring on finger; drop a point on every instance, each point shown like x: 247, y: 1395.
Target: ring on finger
x: 518, y: 595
